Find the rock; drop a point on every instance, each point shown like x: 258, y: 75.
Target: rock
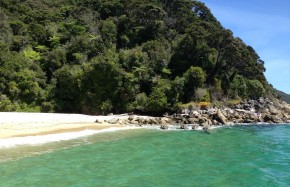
x: 165, y: 114
x: 185, y: 111
x: 220, y: 117
x: 194, y: 126
x: 261, y: 100
x: 238, y: 106
x: 260, y: 118
x: 193, y: 120
x: 273, y: 110
x: 209, y: 122
x: 215, y: 122
x: 130, y: 118
x: 206, y: 129
x: 202, y: 120
x: 249, y: 121
x: 182, y: 126
x: 153, y: 121
x: 133, y: 122
x: 263, y: 110
x: 191, y: 114
x: 123, y: 122
x: 287, y: 109
x: 164, y: 126
x: 272, y: 118
x: 236, y: 115
x: 113, y: 121
x: 253, y: 117
x: 240, y: 120
x: 165, y: 120
x: 205, y: 116
x: 185, y: 121
x: 245, y: 106
x: 204, y: 124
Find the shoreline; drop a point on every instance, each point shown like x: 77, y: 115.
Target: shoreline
x: 17, y: 125
x: 21, y: 124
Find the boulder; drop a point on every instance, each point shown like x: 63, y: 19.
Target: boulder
x: 204, y: 124
x: 113, y: 121
x: 209, y: 122
x: 240, y: 120
x: 206, y: 129
x: 123, y: 121
x: 165, y: 114
x: 153, y: 121
x: 134, y: 122
x: 261, y: 100
x: 220, y: 117
x: 165, y: 120
x: 236, y: 115
x: 164, y: 126
x: 194, y: 126
x: 263, y: 110
x: 182, y: 126
x: 202, y: 120
x: 273, y: 110
x: 249, y: 121
x: 215, y: 122
x: 193, y: 120
x: 272, y: 118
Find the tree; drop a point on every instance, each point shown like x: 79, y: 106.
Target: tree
x: 194, y: 78
x: 255, y: 88
x: 238, y: 87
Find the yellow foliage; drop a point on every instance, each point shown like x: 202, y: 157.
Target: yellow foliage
x: 194, y: 104
x: 203, y: 104
x: 233, y: 102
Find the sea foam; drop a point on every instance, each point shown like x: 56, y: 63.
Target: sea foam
x: 49, y: 138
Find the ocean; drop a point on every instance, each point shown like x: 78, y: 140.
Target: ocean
x: 231, y: 156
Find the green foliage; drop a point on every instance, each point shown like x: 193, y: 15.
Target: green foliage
x: 255, y: 88
x: 194, y: 78
x: 283, y: 96
x: 238, y: 88
x: 32, y: 55
x: 202, y: 95
x: 101, y: 56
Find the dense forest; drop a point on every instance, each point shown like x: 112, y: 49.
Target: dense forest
x: 100, y: 56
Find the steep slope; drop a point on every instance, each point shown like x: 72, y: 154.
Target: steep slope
x: 284, y: 96
x: 97, y: 56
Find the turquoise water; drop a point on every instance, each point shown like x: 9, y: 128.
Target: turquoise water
x: 237, y: 156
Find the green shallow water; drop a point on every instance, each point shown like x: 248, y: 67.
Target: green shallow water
x: 238, y: 156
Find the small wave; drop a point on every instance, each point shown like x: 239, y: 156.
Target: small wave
x: 49, y: 138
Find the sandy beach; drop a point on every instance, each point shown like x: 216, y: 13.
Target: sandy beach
x: 14, y: 124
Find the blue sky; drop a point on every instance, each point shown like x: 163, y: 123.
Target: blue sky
x: 264, y: 25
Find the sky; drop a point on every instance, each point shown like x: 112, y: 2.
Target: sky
x: 264, y: 25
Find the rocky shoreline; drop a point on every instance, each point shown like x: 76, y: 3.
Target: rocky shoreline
x: 262, y: 110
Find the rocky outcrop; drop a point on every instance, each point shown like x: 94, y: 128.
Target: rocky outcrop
x: 262, y: 110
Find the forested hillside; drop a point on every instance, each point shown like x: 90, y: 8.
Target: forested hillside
x: 99, y: 56
x: 283, y: 95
